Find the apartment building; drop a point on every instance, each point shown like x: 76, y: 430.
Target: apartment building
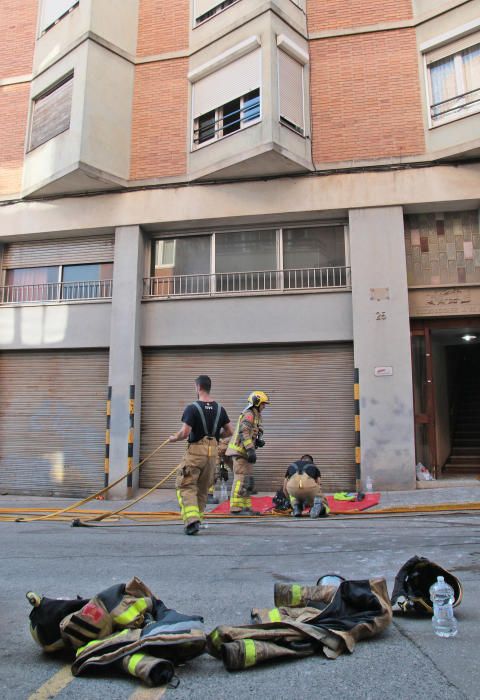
x: 282, y: 194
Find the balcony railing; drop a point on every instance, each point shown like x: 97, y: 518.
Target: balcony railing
x: 247, y: 283
x: 466, y: 102
x: 56, y: 292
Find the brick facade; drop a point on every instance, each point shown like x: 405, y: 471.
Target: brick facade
x: 163, y: 26
x: 159, y: 124
x: 339, y: 14
x: 14, y: 110
x: 18, y: 22
x: 365, y: 95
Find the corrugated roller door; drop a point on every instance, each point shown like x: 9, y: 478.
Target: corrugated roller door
x: 59, y: 251
x: 52, y: 421
x: 311, y: 390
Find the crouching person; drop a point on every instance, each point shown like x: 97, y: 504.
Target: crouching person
x: 303, y: 487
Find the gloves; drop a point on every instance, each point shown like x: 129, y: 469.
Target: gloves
x: 259, y: 442
x: 251, y: 455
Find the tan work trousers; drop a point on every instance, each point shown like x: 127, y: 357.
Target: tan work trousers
x: 302, y: 490
x: 240, y: 497
x: 195, y: 478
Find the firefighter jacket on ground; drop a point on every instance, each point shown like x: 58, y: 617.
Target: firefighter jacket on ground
x: 248, y: 427
x: 124, y: 626
x: 332, y: 622
x: 411, y: 591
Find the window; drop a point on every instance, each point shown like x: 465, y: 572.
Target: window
x: 204, y: 9
x: 314, y: 257
x: 68, y: 282
x: 243, y: 252
x: 53, y: 11
x: 228, y: 118
x: 454, y: 81
x: 182, y: 265
x: 91, y: 281
x: 290, y: 89
x: 227, y: 99
x: 255, y: 260
x: 51, y: 113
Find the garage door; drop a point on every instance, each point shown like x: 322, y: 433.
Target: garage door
x: 52, y: 421
x: 311, y: 391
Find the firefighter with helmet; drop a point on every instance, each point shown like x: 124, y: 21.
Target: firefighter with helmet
x: 248, y: 436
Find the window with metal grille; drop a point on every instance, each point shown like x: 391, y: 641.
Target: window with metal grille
x: 227, y: 119
x: 454, y: 80
x: 51, y: 112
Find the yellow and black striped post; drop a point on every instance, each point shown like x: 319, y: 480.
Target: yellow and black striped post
x: 106, y: 466
x: 131, y: 426
x: 358, y: 454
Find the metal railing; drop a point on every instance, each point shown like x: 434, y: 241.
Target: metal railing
x: 56, y: 292
x: 458, y: 104
x: 237, y: 283
x: 228, y: 123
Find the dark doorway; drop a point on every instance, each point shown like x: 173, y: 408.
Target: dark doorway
x: 446, y: 386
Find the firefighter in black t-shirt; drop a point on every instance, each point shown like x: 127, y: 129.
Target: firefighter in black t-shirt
x: 204, y: 421
x: 303, y: 487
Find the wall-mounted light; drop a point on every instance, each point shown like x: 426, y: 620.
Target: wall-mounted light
x: 467, y: 337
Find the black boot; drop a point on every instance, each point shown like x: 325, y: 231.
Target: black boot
x: 193, y: 528
x: 318, y: 509
x: 297, y: 511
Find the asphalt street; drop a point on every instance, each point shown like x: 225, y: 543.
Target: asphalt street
x: 224, y: 572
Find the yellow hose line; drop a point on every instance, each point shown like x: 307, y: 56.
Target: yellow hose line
x: 98, y: 493
x: 109, y: 514
x: 8, y: 514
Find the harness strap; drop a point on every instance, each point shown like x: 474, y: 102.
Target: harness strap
x: 204, y: 422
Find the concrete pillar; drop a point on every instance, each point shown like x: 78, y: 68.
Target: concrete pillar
x: 125, y: 369
x: 381, y: 332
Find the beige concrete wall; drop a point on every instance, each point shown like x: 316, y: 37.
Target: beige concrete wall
x: 112, y: 21
x: 381, y: 331
x: 288, y: 318
x: 440, y: 188
x: 107, y: 121
x: 240, y: 13
x: 62, y: 326
x: 62, y: 153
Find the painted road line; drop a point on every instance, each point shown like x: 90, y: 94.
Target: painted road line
x: 149, y: 693
x: 54, y: 685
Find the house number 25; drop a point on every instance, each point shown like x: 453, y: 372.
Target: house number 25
x: 381, y: 316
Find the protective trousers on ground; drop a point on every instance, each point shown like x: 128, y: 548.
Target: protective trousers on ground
x: 242, y: 475
x: 195, y: 477
x: 302, y: 490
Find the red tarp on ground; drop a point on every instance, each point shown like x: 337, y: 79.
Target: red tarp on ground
x: 264, y: 504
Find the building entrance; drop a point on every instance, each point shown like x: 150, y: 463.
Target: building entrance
x: 446, y: 387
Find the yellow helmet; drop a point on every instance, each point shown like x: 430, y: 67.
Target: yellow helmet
x: 256, y: 398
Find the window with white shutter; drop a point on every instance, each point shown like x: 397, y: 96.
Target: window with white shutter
x: 53, y: 10
x: 291, y: 93
x: 227, y: 99
x: 51, y: 112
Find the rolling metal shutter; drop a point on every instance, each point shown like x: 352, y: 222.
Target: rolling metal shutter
x: 59, y: 251
x: 312, y: 410
x: 52, y: 421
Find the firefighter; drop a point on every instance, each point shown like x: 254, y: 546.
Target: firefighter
x: 203, y: 423
x: 242, y: 447
x: 302, y: 485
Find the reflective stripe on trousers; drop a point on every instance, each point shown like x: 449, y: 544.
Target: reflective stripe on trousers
x: 238, y: 502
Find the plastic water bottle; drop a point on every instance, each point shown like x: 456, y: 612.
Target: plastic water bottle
x: 443, y: 620
x: 369, y: 484
x: 223, y: 492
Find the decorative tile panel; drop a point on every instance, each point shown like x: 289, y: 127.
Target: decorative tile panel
x: 442, y: 248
